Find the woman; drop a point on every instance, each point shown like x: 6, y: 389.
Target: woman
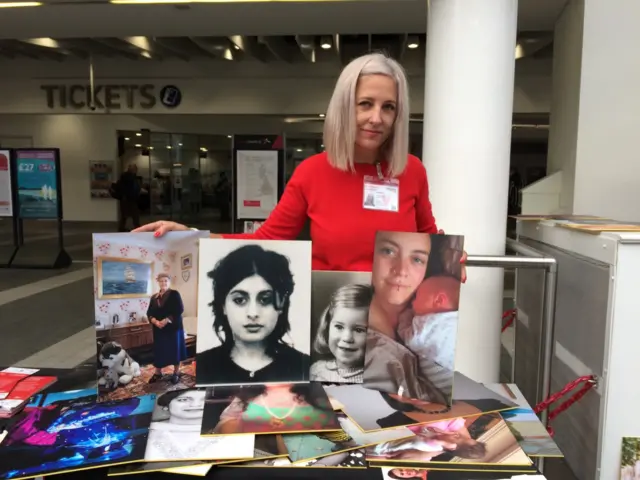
x: 366, y: 135
x: 277, y: 408
x: 252, y: 290
x: 165, y: 314
x: 178, y: 436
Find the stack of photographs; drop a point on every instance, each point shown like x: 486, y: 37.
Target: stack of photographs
x: 231, y: 354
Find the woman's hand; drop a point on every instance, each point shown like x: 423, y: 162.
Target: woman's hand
x: 161, y: 227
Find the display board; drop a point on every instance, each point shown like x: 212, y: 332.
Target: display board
x: 258, y: 177
x: 38, y: 183
x: 102, y: 176
x: 6, y: 187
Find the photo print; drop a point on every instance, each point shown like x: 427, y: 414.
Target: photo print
x: 387, y: 410
x: 268, y: 409
x: 413, y: 318
x: 145, y: 312
x: 254, y: 312
x: 481, y: 439
x: 403, y: 472
x: 149, y: 467
x: 348, y: 459
x: 70, y: 431
x: 175, y: 428
x: 339, y: 314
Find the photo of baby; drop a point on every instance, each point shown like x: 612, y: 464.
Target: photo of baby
x: 413, y: 316
x: 268, y: 409
x: 481, y: 439
x: 340, y: 310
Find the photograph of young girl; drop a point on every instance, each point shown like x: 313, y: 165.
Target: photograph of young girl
x: 268, y: 409
x: 413, y: 317
x: 340, y: 310
x: 254, y: 312
x: 175, y: 428
x: 481, y: 439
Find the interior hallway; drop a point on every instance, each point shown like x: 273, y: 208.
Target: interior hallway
x: 48, y: 315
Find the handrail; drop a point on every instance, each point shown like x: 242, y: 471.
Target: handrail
x: 528, y: 257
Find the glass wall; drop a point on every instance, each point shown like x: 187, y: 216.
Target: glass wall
x: 185, y: 177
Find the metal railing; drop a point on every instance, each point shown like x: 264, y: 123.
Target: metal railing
x: 527, y: 257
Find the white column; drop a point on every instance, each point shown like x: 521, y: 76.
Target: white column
x: 467, y: 138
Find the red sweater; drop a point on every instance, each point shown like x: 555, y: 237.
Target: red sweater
x: 342, y: 231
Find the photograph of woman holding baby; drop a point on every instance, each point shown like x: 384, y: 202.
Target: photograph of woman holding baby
x: 412, y: 321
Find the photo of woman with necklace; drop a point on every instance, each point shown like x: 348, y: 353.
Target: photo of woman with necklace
x: 268, y: 409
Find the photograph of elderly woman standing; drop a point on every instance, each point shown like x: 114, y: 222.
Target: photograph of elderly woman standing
x: 165, y: 315
x: 254, y: 314
x: 413, y: 315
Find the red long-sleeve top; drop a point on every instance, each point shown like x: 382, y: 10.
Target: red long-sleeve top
x: 342, y: 231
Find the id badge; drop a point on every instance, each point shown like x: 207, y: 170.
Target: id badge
x: 380, y: 194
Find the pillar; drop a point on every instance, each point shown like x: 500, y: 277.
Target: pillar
x: 469, y: 85
x: 594, y: 110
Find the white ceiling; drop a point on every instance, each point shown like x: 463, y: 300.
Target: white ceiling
x: 69, y: 19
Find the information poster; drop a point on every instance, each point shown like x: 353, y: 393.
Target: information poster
x: 101, y: 178
x: 257, y: 183
x: 37, y: 183
x: 6, y: 204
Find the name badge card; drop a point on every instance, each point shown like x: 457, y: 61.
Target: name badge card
x: 380, y: 194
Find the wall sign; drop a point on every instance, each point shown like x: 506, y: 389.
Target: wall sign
x: 111, y: 97
x: 37, y: 180
x: 6, y: 190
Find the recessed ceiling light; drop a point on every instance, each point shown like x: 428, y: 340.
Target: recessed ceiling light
x: 126, y: 138
x: 298, y: 149
x: 19, y: 4
x: 321, y: 115
x: 179, y: 144
x: 138, y: 134
x: 138, y: 145
x: 412, y: 45
x: 326, y: 46
x: 169, y: 147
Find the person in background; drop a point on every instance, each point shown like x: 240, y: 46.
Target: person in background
x: 366, y: 135
x: 130, y: 190
x: 223, y: 193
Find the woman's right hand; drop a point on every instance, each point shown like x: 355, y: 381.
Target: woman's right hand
x: 161, y: 227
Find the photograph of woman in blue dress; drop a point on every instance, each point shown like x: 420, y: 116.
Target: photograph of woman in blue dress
x: 165, y: 315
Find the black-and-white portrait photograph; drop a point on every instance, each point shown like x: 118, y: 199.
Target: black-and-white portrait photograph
x: 254, y: 312
x: 339, y: 315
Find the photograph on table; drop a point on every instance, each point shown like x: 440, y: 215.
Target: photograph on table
x: 400, y: 473
x: 387, y: 410
x: 339, y: 313
x: 413, y: 319
x: 525, y: 424
x: 175, y: 428
x: 76, y: 434
x: 265, y: 447
x: 482, y: 440
x: 268, y: 409
x: 145, y: 312
x: 149, y: 467
x: 348, y: 459
x: 254, y: 312
x: 630, y: 458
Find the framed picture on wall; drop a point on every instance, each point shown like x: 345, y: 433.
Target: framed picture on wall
x: 124, y: 278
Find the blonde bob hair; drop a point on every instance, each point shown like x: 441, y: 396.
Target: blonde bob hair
x: 357, y: 296
x: 340, y: 120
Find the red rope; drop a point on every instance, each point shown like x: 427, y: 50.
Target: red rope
x: 510, y: 316
x: 589, y: 383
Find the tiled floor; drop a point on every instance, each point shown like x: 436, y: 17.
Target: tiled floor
x: 47, y: 315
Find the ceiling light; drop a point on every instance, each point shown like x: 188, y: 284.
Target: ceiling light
x: 298, y: 149
x: 179, y: 144
x: 412, y: 45
x: 519, y: 51
x: 150, y: 148
x: 19, y: 4
x: 229, y: 136
x: 326, y: 45
x: 138, y: 134
x: 168, y: 147
x: 203, y: 149
x: 138, y: 145
x: 326, y: 42
x: 321, y: 115
x: 126, y: 138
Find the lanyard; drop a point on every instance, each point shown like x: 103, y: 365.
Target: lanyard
x: 379, y: 170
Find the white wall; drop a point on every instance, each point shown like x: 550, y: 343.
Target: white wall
x: 209, y: 88
x: 565, y: 99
